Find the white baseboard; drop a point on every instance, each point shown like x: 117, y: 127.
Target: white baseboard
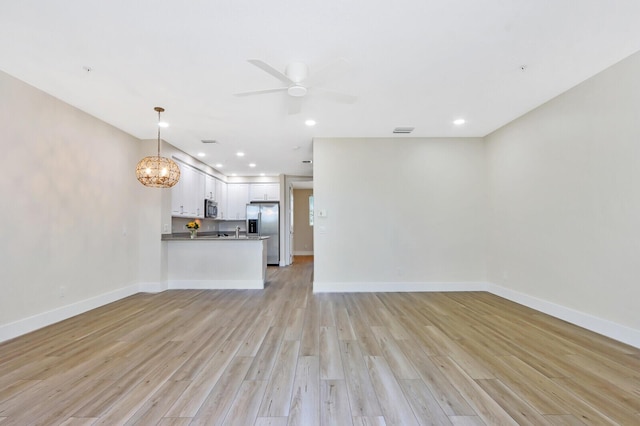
x: 605, y: 327
x: 302, y: 253
x: 216, y: 285
x: 26, y: 325
x: 390, y: 287
x: 153, y: 287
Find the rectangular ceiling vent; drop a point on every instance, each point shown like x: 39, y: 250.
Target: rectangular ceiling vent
x: 404, y: 130
x: 209, y: 141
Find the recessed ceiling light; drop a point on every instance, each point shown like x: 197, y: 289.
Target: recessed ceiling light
x: 240, y: 154
x: 252, y: 164
x: 163, y: 124
x: 234, y: 174
x: 310, y: 123
x: 218, y: 165
x: 296, y: 147
x: 201, y: 154
x: 459, y: 121
x: 262, y: 174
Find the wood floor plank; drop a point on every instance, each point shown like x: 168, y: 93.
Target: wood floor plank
x: 517, y: 408
x: 466, y: 421
x: 174, y: 421
x: 394, y: 356
x: 155, y: 407
x: 368, y: 421
x: 271, y: 421
x: 305, y: 396
x: 255, y: 336
x: 199, y: 388
x: 310, y: 340
x: 284, y: 355
x: 447, y: 395
x: 215, y: 407
x: 424, y: 405
x: 485, y: 406
x: 571, y: 403
x: 277, y: 396
x: 245, y: 406
x: 335, y: 403
x: 330, y: 361
x: 361, y: 327
x: 266, y: 356
x: 563, y: 420
x: 343, y: 325
x: 326, y: 316
x: 362, y: 397
x: 294, y: 325
x: 395, y: 407
x: 77, y: 421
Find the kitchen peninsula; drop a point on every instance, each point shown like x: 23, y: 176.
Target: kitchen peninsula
x: 211, y: 262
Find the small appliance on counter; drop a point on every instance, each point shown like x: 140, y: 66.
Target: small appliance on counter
x: 210, y: 209
x: 263, y: 219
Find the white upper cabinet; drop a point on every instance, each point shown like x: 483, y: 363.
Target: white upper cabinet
x: 210, y: 187
x: 221, y: 198
x: 264, y: 192
x: 237, y: 199
x: 187, y: 196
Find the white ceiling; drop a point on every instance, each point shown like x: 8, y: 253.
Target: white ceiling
x: 418, y: 63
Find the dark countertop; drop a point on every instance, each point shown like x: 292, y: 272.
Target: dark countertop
x: 209, y: 237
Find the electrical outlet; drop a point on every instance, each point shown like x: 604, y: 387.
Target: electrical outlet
x: 165, y: 228
x: 62, y: 290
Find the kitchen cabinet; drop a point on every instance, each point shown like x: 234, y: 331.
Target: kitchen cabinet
x: 237, y: 199
x: 221, y: 198
x: 264, y: 192
x: 187, y: 196
x: 210, y: 187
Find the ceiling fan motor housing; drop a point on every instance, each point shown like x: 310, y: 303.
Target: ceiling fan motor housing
x: 297, y: 71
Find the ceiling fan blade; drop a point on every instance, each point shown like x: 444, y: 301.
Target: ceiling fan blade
x: 261, y: 92
x: 295, y: 105
x: 345, y: 98
x: 333, y: 69
x: 271, y: 70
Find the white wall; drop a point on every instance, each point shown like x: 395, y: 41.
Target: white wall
x: 70, y: 202
x: 564, y: 182
x: 402, y: 213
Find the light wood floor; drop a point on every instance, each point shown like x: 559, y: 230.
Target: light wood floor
x: 286, y: 356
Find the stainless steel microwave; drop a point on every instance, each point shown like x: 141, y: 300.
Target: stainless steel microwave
x: 210, y: 209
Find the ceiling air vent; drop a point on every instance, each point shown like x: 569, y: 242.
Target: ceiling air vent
x: 405, y: 130
x: 209, y: 141
x: 307, y: 161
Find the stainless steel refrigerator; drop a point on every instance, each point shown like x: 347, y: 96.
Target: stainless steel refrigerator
x: 263, y: 219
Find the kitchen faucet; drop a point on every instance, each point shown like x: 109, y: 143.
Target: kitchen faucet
x: 237, y: 232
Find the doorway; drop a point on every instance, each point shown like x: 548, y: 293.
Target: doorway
x: 300, y: 217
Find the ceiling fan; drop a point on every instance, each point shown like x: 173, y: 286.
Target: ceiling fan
x: 298, y: 82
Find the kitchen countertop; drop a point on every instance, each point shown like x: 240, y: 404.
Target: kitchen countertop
x: 209, y: 237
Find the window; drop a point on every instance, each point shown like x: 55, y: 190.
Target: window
x: 310, y: 210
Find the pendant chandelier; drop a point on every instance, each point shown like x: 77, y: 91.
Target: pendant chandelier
x: 156, y: 171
